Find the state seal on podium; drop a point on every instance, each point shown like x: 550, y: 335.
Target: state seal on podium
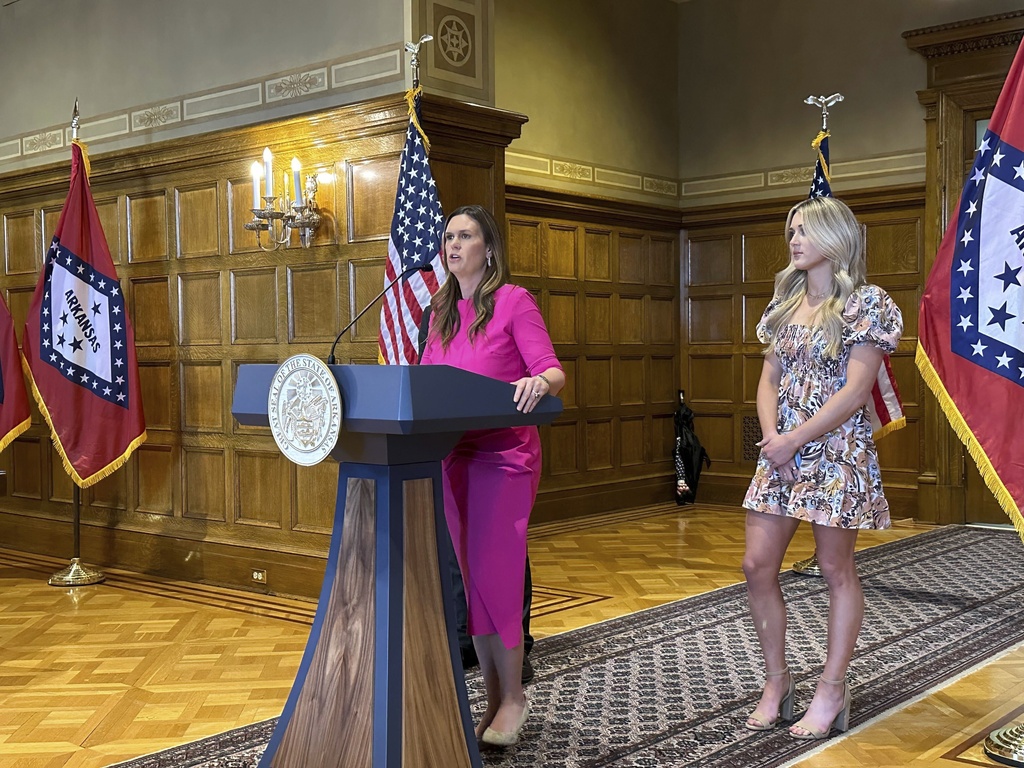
x: 304, y: 406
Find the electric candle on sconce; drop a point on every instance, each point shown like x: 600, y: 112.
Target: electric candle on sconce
x: 279, y: 217
x: 268, y: 171
x: 296, y: 167
x: 257, y: 173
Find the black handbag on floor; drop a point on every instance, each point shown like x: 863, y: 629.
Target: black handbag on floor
x: 689, y: 455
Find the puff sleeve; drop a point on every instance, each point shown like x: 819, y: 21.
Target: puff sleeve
x: 763, y: 334
x: 872, y: 317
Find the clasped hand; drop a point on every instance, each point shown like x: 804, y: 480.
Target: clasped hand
x: 780, y: 451
x: 529, y: 391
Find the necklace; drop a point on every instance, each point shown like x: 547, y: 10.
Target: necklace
x: 818, y: 296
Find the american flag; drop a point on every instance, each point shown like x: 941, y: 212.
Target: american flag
x: 415, y: 240
x: 821, y: 183
x: 885, y: 407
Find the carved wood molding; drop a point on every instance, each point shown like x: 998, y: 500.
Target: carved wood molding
x: 862, y: 201
x: 445, y: 120
x: 556, y: 204
x: 998, y: 31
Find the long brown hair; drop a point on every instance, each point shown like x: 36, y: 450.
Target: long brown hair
x: 445, y: 303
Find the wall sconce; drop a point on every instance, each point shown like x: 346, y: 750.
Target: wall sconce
x: 299, y: 213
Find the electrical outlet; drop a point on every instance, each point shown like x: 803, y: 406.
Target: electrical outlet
x: 259, y: 575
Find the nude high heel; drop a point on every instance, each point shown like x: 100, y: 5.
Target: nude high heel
x: 841, y: 722
x: 785, y: 706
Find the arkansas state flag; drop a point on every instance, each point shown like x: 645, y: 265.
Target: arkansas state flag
x: 971, y: 348
x: 79, y: 348
x: 15, y: 416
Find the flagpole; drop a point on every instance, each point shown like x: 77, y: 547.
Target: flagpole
x: 76, y: 574
x: 810, y: 566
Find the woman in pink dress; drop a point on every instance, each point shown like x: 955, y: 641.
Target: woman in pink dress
x: 827, y: 331
x: 482, y: 323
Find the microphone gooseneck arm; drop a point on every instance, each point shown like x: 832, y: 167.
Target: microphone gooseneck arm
x: 405, y: 272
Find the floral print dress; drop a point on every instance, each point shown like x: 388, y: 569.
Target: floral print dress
x: 840, y: 482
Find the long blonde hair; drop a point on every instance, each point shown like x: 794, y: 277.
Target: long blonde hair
x: 445, y: 303
x: 831, y: 226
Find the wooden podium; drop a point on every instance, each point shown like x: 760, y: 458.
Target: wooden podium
x: 381, y: 683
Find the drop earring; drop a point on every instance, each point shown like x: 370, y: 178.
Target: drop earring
x: 488, y: 259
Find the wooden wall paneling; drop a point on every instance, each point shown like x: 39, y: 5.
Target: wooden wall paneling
x: 204, y: 298
x: 562, y: 318
x: 200, y: 320
x: 314, y: 303
x: 370, y: 184
x: 151, y: 301
x: 254, y: 306
x: 203, y: 484
x: 613, y: 443
x: 664, y: 382
x: 633, y: 441
x: 261, y: 488
x: 156, y: 468
x: 203, y: 403
x: 631, y: 381
x: 597, y: 318
x: 600, y: 445
x: 562, y: 452
x: 22, y: 243
x: 597, y: 382
x: 60, y: 488
x: 147, y: 227
x: 28, y: 466
x: 663, y: 262
x: 18, y: 301
x: 314, y: 497
x: 111, y: 492
x: 597, y: 248
x: 366, y: 278
x: 524, y: 247
x: 710, y: 261
x: 630, y: 318
x: 632, y: 258
x: 197, y: 218
x: 560, y: 253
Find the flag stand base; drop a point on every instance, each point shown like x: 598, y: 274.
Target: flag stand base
x: 76, y: 575
x: 808, y: 567
x: 1006, y: 745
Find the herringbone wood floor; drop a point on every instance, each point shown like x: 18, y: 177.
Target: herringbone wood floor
x: 94, y: 675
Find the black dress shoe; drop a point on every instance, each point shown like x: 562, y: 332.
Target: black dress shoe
x: 527, y: 670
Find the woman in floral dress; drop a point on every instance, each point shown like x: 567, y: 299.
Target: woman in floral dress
x: 826, y: 332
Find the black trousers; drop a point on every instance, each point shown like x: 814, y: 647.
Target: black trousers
x: 462, y: 612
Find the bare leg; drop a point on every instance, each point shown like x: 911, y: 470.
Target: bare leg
x: 502, y: 670
x: 768, y: 536
x: 508, y: 699
x: 489, y: 672
x: 835, y: 549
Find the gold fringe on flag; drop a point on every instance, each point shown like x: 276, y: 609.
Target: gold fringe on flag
x: 81, y: 482
x: 963, y: 431
x: 85, y: 156
x: 14, y: 434
x: 410, y: 98
x: 816, y: 146
x: 889, y: 428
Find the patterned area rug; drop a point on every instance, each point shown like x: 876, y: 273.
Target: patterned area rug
x: 672, y: 686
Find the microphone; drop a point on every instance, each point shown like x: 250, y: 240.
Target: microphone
x: 426, y: 267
